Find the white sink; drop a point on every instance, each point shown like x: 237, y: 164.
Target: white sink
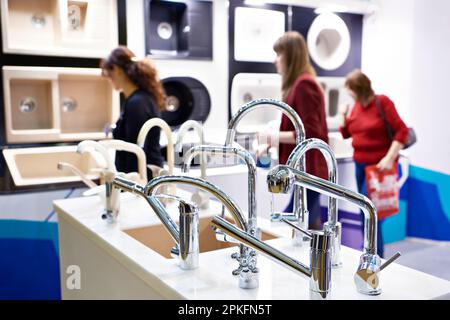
x: 250, y: 86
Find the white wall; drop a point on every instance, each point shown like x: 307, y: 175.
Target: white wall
x: 386, y: 51
x: 430, y: 103
x: 213, y: 74
x: 406, y: 54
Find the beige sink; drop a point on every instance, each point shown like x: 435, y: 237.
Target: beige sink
x: 158, y: 239
x: 47, y: 104
x: 31, y: 101
x: 85, y: 103
x: 77, y: 28
x: 33, y: 166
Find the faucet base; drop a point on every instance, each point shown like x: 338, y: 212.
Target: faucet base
x: 248, y: 279
x: 367, y: 277
x: 374, y: 292
x: 109, y: 216
x: 319, y: 295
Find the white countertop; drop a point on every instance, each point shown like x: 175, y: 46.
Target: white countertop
x: 213, y: 279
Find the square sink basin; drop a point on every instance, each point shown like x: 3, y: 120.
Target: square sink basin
x: 81, y: 112
x: 158, y: 239
x: 31, y: 104
x: 34, y: 166
x: 167, y: 28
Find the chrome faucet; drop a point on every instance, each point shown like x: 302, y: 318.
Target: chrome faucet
x: 235, y: 152
x: 191, y: 124
x: 300, y: 213
x: 112, y: 201
x: 248, y: 273
x: 281, y: 179
x: 186, y: 236
x: 332, y: 225
x: 200, y: 198
x: 250, y: 162
x: 319, y: 271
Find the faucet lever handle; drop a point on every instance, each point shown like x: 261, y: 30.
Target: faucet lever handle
x: 390, y: 260
x: 306, y: 233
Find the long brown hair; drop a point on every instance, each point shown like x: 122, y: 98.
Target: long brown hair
x: 141, y: 72
x: 361, y: 85
x: 292, y: 47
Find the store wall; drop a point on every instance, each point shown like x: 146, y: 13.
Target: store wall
x: 406, y: 55
x: 212, y: 73
x: 429, y: 213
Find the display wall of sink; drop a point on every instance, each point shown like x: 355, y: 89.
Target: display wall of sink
x: 256, y: 30
x: 33, y: 101
x: 57, y: 104
x: 36, y: 166
x: 81, y: 112
x: 178, y: 29
x: 158, y: 239
x: 79, y: 28
x: 250, y: 86
x: 336, y: 100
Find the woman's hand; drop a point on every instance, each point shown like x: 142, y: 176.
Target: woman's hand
x: 388, y: 161
x: 385, y: 164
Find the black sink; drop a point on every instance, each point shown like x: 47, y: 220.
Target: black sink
x: 178, y: 29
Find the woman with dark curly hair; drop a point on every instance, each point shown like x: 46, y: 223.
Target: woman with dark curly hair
x: 144, y: 99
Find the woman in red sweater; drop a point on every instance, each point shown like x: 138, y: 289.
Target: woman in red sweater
x: 371, y: 143
x: 301, y: 91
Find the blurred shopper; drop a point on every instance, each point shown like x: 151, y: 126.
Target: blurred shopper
x: 302, y: 92
x: 371, y: 142
x: 144, y: 99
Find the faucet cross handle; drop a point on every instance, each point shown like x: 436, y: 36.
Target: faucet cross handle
x: 247, y: 270
x: 248, y: 258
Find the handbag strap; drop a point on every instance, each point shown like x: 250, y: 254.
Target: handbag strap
x: 389, y: 130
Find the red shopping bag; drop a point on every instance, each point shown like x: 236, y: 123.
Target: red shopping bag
x: 383, y: 190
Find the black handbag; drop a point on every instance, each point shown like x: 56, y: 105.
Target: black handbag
x: 412, y: 137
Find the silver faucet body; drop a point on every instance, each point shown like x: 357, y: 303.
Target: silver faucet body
x: 112, y: 200
x: 191, y: 124
x: 252, y: 213
x: 236, y: 152
x: 112, y: 205
x: 319, y: 271
x: 281, y: 178
x: 332, y: 224
x: 300, y: 213
x: 249, y: 273
x: 186, y: 236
